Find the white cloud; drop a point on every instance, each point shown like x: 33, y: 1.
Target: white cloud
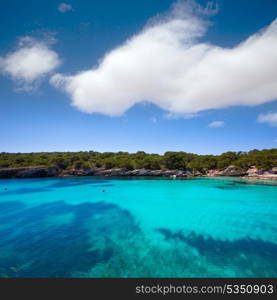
x: 64, y: 7
x: 167, y: 64
x: 216, y: 124
x: 270, y: 118
x: 29, y: 63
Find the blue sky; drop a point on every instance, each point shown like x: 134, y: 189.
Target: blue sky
x: 43, y: 119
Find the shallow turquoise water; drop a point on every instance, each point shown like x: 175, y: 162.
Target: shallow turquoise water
x: 104, y: 227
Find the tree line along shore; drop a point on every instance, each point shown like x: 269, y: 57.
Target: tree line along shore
x: 254, y: 163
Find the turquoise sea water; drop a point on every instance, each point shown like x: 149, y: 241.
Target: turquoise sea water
x: 104, y: 227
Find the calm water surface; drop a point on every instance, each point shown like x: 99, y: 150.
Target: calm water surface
x: 95, y: 227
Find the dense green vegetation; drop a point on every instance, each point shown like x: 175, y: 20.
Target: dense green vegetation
x: 264, y: 159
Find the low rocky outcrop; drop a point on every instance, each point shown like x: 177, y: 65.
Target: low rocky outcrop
x: 231, y: 171
x: 29, y: 172
x: 11, y: 172
x: 213, y: 173
x: 273, y: 170
x: 255, y: 173
x: 251, y: 173
x: 124, y: 172
x: 38, y: 172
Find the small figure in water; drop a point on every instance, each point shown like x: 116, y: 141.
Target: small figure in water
x: 103, y: 191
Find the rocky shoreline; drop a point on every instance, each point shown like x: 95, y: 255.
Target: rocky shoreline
x: 231, y: 171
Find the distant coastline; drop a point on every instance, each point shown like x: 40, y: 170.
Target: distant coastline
x: 231, y: 171
x: 255, y: 164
